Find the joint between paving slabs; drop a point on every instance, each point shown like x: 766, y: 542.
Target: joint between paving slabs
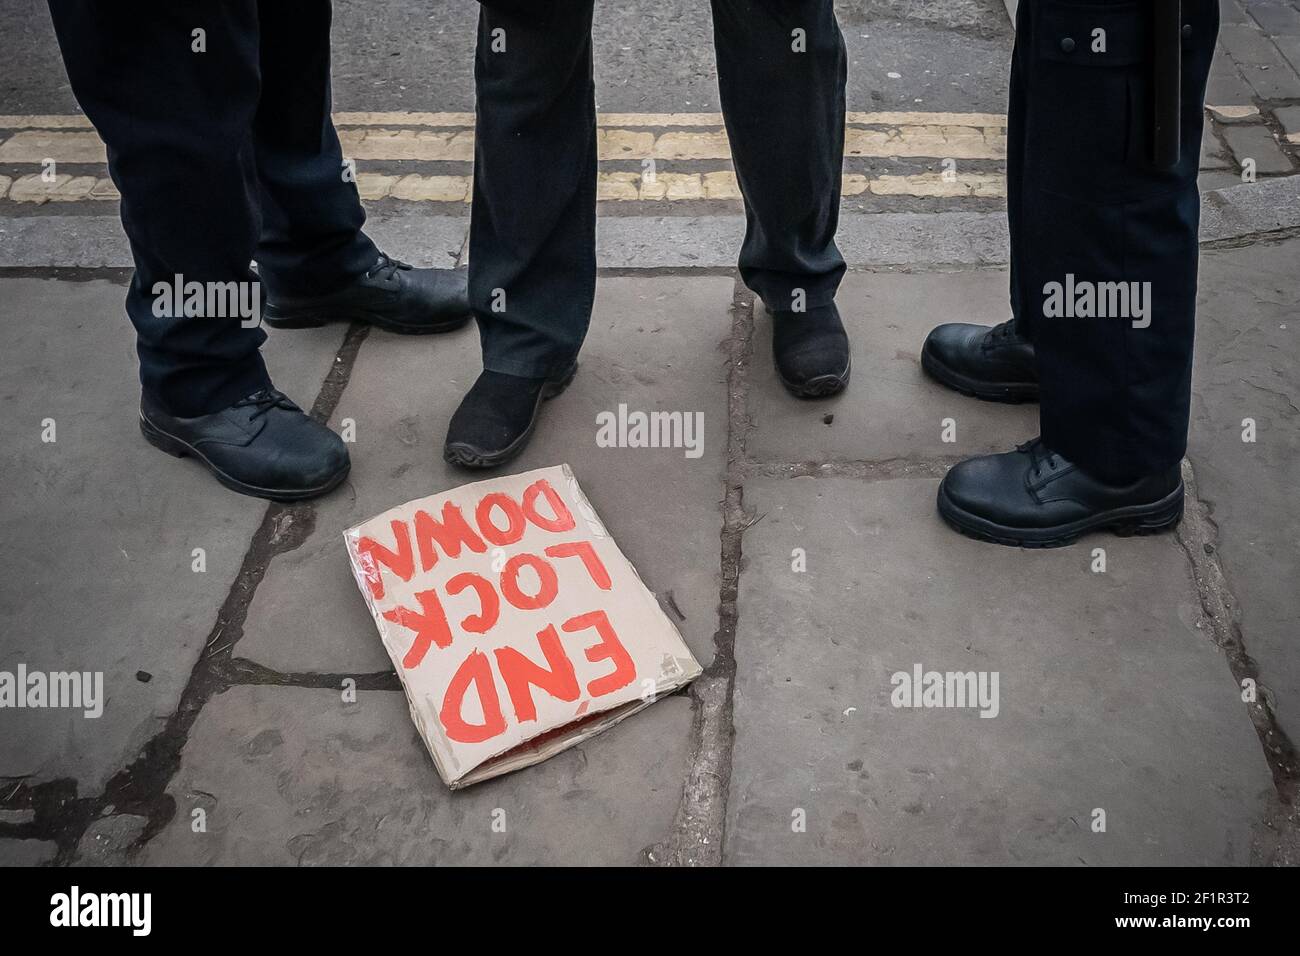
x: 1268, y: 113
x: 699, y: 825
x: 1198, y: 536
x: 140, y: 788
x: 1277, y: 837
x: 878, y: 469
x: 1266, y: 110
x: 1270, y: 237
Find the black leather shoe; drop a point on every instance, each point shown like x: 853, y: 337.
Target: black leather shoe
x: 497, y: 416
x: 994, y: 363
x: 1034, y: 498
x: 811, y: 350
x: 263, y: 445
x: 392, y: 295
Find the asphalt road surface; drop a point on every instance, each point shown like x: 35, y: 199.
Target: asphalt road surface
x: 651, y: 56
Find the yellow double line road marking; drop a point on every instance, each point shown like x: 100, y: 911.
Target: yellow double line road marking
x: 651, y: 139
x: 634, y: 120
x: 611, y: 187
x: 955, y: 142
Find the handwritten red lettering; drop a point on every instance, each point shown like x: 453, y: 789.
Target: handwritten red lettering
x: 451, y: 533
x: 371, y: 554
x: 610, y: 648
x: 590, y: 560
x: 429, y: 624
x: 489, y: 603
x: 521, y: 674
x: 561, y: 520
x: 548, y: 587
x: 477, y: 670
x: 514, y: 529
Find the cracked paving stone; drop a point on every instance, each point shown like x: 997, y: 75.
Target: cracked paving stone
x: 106, y: 840
x: 1110, y: 696
x: 891, y: 409
x: 289, y: 776
x: 97, y: 522
x: 655, y: 344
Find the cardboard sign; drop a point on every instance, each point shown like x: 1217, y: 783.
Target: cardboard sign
x: 516, y: 624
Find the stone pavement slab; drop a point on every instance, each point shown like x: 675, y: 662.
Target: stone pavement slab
x: 1247, y: 209
x: 1248, y: 367
x: 654, y: 345
x: 288, y: 776
x: 99, y: 528
x: 1276, y: 17
x: 1257, y: 143
x: 1225, y: 86
x: 1269, y: 74
x: 1110, y: 696
x: 891, y: 408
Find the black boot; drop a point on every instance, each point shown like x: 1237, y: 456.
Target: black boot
x: 497, y: 416
x: 392, y: 296
x: 994, y: 364
x: 263, y: 445
x: 811, y: 350
x: 1034, y: 498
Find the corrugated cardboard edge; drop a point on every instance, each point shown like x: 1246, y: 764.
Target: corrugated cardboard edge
x: 611, y: 717
x: 689, y: 667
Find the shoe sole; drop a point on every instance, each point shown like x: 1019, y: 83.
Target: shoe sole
x: 179, y: 448
x: 471, y: 456
x: 1151, y: 518
x: 279, y: 318
x: 821, y: 386
x: 1010, y: 393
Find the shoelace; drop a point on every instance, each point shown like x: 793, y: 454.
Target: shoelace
x: 266, y: 399
x: 1004, y: 330
x: 386, y: 267
x: 1040, y: 455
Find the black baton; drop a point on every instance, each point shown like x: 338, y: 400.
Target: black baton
x: 1167, y: 33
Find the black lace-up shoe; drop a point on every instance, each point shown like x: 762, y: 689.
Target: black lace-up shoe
x: 994, y: 364
x: 497, y: 417
x: 1034, y: 498
x: 392, y: 295
x: 263, y: 445
x: 811, y: 350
